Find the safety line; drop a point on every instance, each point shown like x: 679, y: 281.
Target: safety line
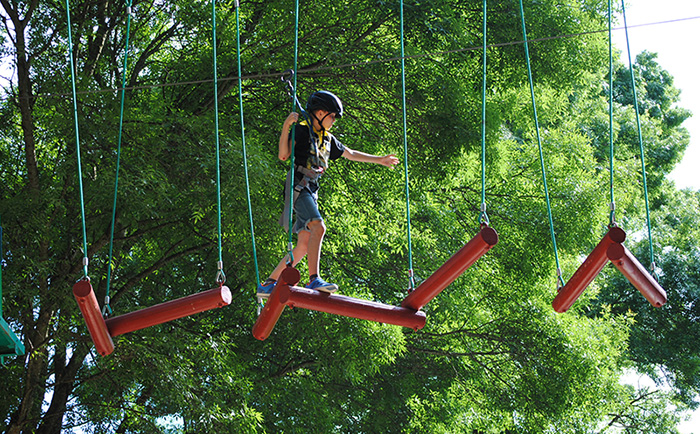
x: 77, y: 142
x: 610, y: 116
x: 560, y: 282
x: 244, y: 149
x: 107, y: 309
x: 290, y: 231
x: 411, y: 280
x: 483, y: 217
x: 641, y: 143
x: 220, y: 276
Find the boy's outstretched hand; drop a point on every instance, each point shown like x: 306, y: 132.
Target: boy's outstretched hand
x: 389, y: 160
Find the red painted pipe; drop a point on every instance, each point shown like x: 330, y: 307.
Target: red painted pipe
x: 169, y: 311
x: 587, y: 271
x: 85, y: 296
x: 294, y: 296
x: 630, y: 267
x: 270, y: 314
x: 452, y: 269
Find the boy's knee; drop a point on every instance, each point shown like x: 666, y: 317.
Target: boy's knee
x: 317, y: 227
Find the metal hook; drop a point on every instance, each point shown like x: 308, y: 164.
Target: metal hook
x: 286, y: 78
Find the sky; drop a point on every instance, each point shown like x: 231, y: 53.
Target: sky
x: 671, y: 28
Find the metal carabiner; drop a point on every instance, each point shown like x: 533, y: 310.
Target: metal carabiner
x: 286, y: 78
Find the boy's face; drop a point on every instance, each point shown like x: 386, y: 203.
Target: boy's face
x: 326, y: 119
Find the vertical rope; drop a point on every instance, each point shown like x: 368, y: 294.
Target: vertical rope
x: 77, y: 142
x: 291, y: 157
x: 244, y: 149
x: 107, y: 309
x: 483, y: 217
x: 411, y: 280
x: 539, y: 144
x: 641, y: 142
x: 610, y: 116
x: 220, y: 276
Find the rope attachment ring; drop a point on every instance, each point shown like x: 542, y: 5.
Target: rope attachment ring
x: 220, y: 276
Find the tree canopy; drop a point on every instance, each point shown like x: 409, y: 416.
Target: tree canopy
x: 493, y: 357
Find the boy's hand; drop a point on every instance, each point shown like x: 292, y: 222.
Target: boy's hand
x: 389, y: 160
x: 292, y: 118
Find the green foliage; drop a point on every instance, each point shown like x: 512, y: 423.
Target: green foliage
x: 493, y: 357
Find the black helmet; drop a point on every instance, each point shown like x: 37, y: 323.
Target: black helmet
x: 324, y: 100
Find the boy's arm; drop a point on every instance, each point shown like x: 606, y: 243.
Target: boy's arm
x: 385, y: 160
x: 284, y: 146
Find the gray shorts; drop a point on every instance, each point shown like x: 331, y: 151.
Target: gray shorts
x: 306, y: 209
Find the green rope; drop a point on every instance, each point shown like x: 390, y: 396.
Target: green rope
x: 641, y: 142
x: 411, y: 280
x: 245, y: 152
x: 107, y: 309
x: 483, y: 217
x: 610, y: 115
x: 539, y: 144
x: 291, y: 157
x: 220, y: 276
x: 77, y: 142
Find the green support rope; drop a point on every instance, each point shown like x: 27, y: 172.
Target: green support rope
x: 107, y: 309
x: 220, y: 276
x: 539, y: 144
x: 641, y: 142
x: 411, y: 280
x: 610, y: 115
x: 77, y: 142
x: 245, y: 152
x: 483, y: 217
x: 290, y: 244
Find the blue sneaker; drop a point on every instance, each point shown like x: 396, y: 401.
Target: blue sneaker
x: 265, y: 288
x: 321, y: 285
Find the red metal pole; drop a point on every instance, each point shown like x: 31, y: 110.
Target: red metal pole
x: 85, y: 296
x: 270, y: 313
x: 630, y: 267
x: 587, y: 271
x: 294, y: 296
x: 452, y: 269
x: 169, y: 311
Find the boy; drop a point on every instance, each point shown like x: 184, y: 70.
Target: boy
x: 314, y: 147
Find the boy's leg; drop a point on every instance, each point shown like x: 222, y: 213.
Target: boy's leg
x: 316, y: 232
x: 266, y: 287
x: 299, y: 251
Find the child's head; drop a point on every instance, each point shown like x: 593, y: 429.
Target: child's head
x: 325, y: 107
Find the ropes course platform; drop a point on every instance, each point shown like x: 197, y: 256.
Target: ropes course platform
x: 102, y: 331
x: 10, y: 345
x: 407, y: 315
x: 286, y: 293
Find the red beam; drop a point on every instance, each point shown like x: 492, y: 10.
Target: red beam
x: 294, y: 296
x: 270, y: 314
x: 630, y: 267
x: 85, y: 296
x: 169, y: 311
x: 272, y: 311
x: 587, y: 271
x: 452, y: 269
